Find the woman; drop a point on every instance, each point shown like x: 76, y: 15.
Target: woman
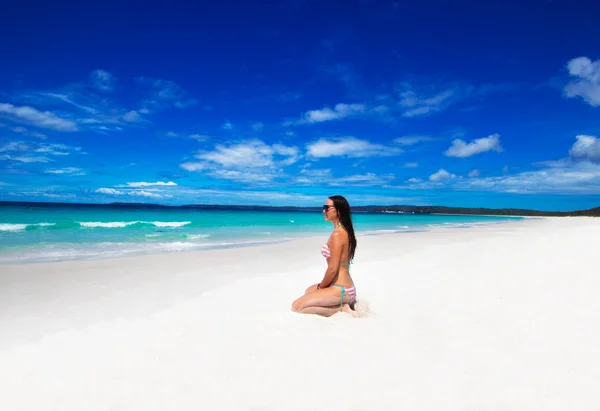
x: 336, y: 290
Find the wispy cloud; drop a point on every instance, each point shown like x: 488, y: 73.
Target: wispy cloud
x: 34, y: 152
x: 412, y: 140
x: 163, y: 94
x: 324, y: 177
x: 103, y: 80
x: 152, y: 184
x: 25, y: 132
x: 416, y: 103
x: 34, y: 117
x: 338, y: 112
x: 194, y: 136
x: 474, y: 173
x: 460, y: 148
x: 347, y: 76
x: 72, y: 171
x: 25, y: 159
x: 368, y: 179
x: 586, y: 80
x: 87, y: 105
x: 349, y: 147
x: 132, y: 193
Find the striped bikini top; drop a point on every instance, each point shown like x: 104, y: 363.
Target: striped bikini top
x: 325, y: 252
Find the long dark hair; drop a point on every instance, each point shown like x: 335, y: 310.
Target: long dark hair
x: 343, y: 208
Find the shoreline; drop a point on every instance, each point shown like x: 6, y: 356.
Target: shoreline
x: 260, y: 242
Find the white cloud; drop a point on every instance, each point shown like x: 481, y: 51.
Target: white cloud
x: 74, y: 171
x: 587, y: 80
x: 146, y: 184
x: 227, y: 126
x: 340, y: 111
x: 132, y: 193
x: 292, y: 154
x: 586, y: 148
x: 441, y: 175
x: 43, y: 119
x: 414, y: 180
x: 249, y: 154
x: 460, y: 148
x: 248, y: 161
x: 474, y: 173
x: 505, y: 169
x: 350, y: 147
x: 144, y: 193
x: 411, y: 164
x: 103, y: 80
x: 411, y: 140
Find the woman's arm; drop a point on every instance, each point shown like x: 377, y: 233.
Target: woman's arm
x: 333, y: 265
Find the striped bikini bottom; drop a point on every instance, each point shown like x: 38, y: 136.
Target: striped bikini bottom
x: 350, y: 291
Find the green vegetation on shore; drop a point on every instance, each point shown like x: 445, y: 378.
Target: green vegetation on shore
x: 408, y: 209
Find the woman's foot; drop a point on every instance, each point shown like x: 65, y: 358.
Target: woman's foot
x: 347, y: 309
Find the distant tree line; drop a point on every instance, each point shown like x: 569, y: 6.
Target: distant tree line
x: 408, y: 209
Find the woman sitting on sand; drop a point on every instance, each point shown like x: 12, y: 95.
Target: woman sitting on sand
x: 336, y: 290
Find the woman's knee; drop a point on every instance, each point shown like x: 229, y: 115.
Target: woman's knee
x: 311, y: 289
x: 297, y: 305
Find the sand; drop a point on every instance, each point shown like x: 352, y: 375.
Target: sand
x: 501, y: 317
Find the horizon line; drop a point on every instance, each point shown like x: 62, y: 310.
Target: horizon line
x: 116, y: 203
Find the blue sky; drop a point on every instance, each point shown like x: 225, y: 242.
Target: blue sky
x: 478, y: 104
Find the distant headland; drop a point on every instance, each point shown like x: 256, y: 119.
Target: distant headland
x: 402, y: 209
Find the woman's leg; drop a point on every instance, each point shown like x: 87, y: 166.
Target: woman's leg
x: 322, y: 311
x: 324, y: 301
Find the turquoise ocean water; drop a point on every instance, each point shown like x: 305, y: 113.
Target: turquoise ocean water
x: 53, y: 233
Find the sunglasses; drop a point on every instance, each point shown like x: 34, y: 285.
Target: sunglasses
x: 327, y: 207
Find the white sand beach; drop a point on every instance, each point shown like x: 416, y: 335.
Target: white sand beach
x: 496, y: 318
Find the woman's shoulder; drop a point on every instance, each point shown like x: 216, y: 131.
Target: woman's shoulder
x: 339, y: 234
